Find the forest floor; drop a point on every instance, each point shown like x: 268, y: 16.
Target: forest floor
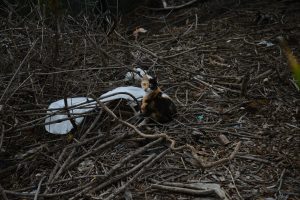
x: 220, y: 62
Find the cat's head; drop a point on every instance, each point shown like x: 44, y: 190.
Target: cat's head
x: 145, y: 82
x: 148, y: 83
x: 153, y: 83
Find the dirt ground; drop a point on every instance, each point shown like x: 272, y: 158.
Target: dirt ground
x: 221, y: 63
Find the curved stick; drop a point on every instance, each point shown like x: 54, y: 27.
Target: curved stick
x: 172, y: 146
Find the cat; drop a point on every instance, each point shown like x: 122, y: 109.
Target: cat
x: 155, y: 104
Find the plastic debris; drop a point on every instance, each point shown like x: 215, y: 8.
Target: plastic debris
x: 80, y: 105
x: 137, y: 92
x: 136, y: 75
x: 266, y: 43
x: 57, y: 113
x: 237, y: 126
x: 200, y: 118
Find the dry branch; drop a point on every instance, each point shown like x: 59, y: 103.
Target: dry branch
x: 123, y: 175
x: 204, y: 164
x: 3, y: 193
x: 184, y: 190
x: 116, y: 167
x: 137, y: 175
x: 18, y: 69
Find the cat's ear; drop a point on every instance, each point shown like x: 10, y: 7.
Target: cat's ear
x: 145, y: 77
x: 154, y: 79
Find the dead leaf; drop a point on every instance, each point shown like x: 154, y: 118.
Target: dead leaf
x: 223, y: 140
x: 256, y: 105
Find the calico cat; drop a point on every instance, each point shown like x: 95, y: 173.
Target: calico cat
x: 156, y: 105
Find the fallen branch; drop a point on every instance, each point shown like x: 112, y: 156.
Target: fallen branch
x: 184, y: 190
x: 123, y: 175
x: 95, y: 150
x: 116, y: 167
x: 198, y: 189
x: 55, y: 172
x: 149, y: 136
x: 204, y: 164
x: 88, y: 186
x: 137, y: 175
x: 17, y: 71
x: 39, y: 188
x: 172, y: 146
x: 2, y: 191
x: 213, y: 62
